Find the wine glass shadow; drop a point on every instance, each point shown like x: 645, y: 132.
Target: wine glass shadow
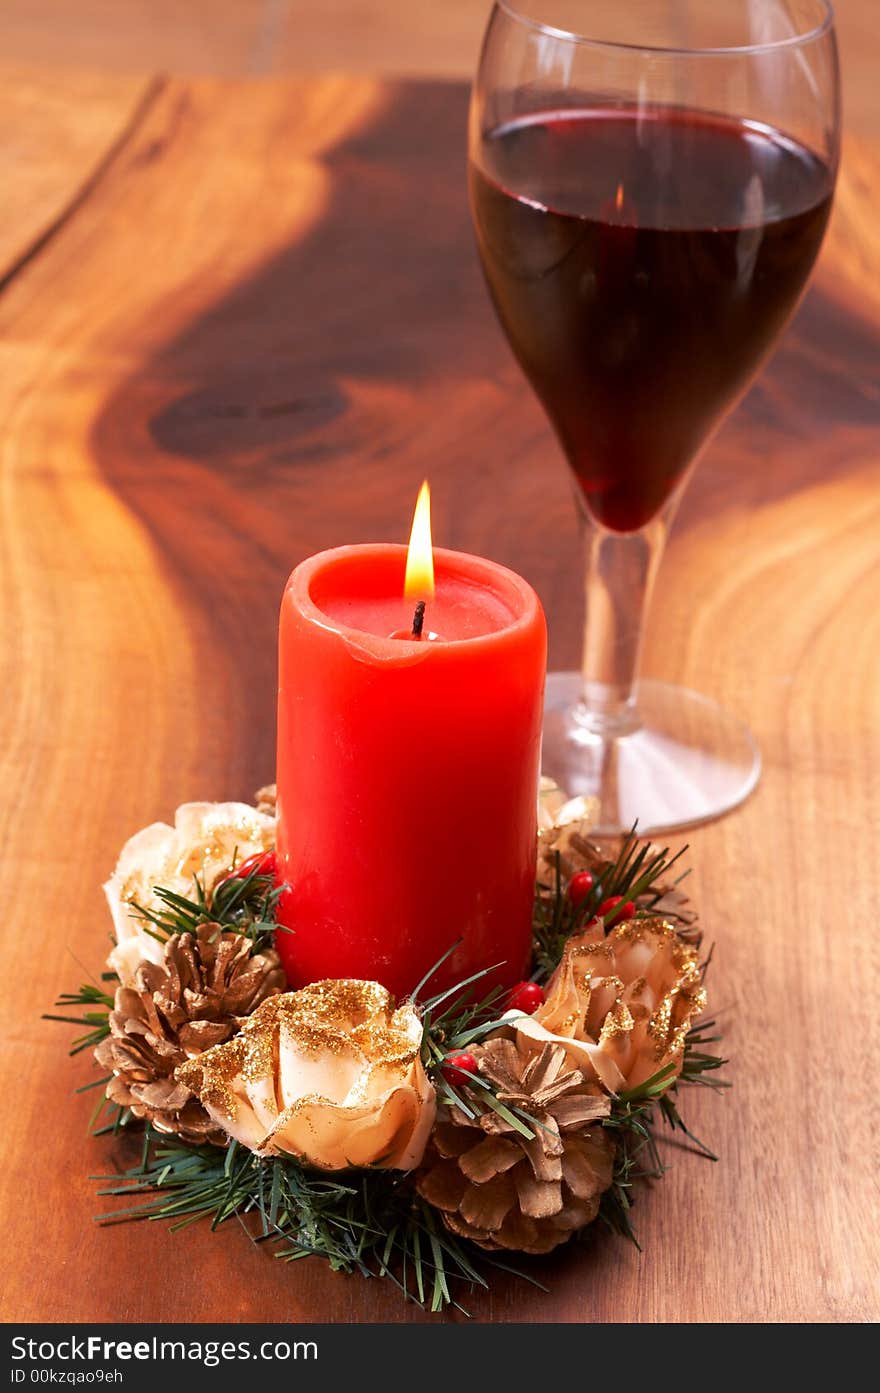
x: 303, y: 407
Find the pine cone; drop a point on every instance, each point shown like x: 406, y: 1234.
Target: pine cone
x: 501, y: 1190
x: 199, y: 997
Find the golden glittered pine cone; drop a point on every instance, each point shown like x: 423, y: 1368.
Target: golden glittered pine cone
x: 208, y: 984
x: 504, y: 1191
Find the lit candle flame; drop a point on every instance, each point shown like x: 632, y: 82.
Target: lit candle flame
x: 419, y: 581
x: 618, y: 201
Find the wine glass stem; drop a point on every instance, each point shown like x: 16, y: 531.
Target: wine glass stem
x: 620, y: 573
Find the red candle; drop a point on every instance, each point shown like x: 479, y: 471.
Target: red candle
x: 407, y: 769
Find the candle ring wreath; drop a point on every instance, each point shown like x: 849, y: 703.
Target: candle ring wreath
x: 423, y: 1141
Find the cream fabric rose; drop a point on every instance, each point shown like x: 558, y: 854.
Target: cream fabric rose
x: 203, y: 841
x: 330, y: 1074
x: 620, y: 1003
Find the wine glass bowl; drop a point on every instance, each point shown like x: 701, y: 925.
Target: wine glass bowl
x: 649, y: 200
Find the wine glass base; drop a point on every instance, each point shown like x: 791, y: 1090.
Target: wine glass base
x: 687, y: 761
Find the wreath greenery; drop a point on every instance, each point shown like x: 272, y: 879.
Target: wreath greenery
x: 374, y: 1221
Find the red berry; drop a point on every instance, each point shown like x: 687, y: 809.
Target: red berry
x: 616, y: 908
x: 261, y: 863
x: 457, y: 1068
x: 526, y: 997
x: 579, y: 887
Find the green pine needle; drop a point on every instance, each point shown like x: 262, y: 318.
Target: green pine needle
x: 637, y: 872
x: 633, y: 1118
x: 373, y: 1221
x: 97, y: 1022
x: 246, y: 906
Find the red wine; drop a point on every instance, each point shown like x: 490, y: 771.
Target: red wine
x: 641, y: 266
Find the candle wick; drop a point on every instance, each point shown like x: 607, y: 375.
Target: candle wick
x: 418, y: 619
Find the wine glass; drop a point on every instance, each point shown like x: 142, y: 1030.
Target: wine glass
x: 649, y: 197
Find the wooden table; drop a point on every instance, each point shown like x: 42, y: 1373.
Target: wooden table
x: 240, y: 321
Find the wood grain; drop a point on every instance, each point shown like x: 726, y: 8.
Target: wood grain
x: 388, y: 37
x: 261, y: 325
x: 245, y: 37
x: 223, y: 37
x: 57, y: 137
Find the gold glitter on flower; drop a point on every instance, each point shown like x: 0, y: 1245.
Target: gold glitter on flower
x: 205, y: 840
x: 621, y: 1003
x: 330, y: 1074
